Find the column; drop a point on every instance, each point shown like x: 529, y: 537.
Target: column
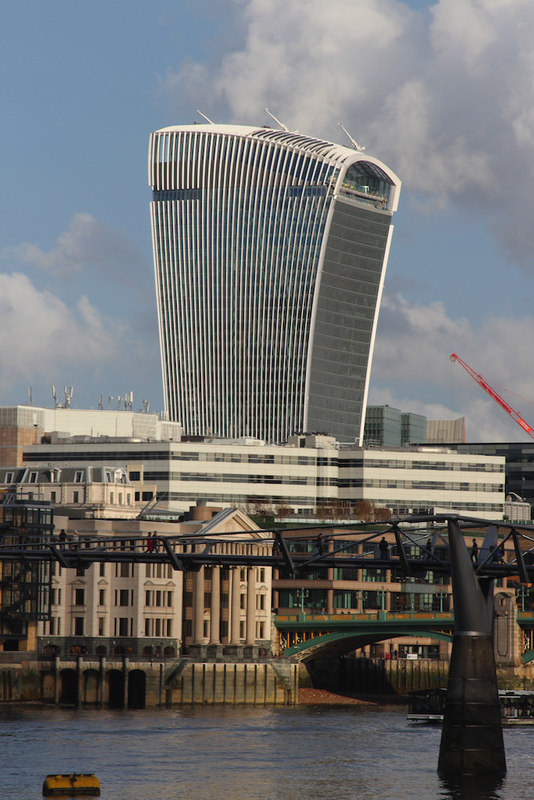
x: 330, y: 576
x: 215, y: 648
x: 198, y: 649
x: 251, y: 649
x: 471, y: 737
x: 235, y: 647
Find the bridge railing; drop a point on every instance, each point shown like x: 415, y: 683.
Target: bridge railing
x: 378, y: 616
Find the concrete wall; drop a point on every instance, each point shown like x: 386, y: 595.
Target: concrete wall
x: 119, y: 683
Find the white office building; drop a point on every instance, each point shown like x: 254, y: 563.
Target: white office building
x: 270, y: 249
x: 308, y: 474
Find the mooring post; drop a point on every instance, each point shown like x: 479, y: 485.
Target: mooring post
x: 471, y: 739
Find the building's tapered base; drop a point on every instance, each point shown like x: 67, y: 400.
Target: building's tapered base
x: 471, y: 740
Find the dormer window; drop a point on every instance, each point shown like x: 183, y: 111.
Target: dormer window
x: 33, y: 477
x: 9, y: 477
x: 78, y: 476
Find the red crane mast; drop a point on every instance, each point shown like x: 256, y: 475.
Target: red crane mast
x: 496, y: 396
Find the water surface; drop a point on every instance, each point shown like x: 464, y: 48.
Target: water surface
x: 316, y: 753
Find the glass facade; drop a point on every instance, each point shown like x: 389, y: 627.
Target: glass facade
x: 269, y: 252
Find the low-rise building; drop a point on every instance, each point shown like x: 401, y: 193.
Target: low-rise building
x: 308, y: 474
x: 150, y: 608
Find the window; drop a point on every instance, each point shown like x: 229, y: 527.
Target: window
x: 33, y: 477
x: 123, y: 597
x: 169, y: 627
x: 102, y: 597
x: 78, y: 476
x: 52, y: 497
x: 75, y: 497
x: 9, y: 477
x: 102, y: 569
x: 79, y: 597
x: 123, y: 626
x: 78, y: 626
x: 101, y: 626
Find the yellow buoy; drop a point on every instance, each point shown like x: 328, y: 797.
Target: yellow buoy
x: 74, y: 785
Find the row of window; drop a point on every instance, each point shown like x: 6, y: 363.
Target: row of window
x: 256, y: 458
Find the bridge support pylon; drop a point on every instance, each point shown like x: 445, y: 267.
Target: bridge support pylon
x: 471, y: 739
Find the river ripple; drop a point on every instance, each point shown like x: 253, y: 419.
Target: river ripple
x: 317, y: 753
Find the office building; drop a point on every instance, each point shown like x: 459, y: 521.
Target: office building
x: 22, y: 425
x: 310, y: 474
x: 270, y: 249
x: 445, y: 431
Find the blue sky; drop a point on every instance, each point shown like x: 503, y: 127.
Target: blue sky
x: 441, y: 91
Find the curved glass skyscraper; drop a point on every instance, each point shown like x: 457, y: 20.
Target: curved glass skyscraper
x: 270, y: 250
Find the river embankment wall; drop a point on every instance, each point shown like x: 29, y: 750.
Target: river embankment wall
x: 122, y: 683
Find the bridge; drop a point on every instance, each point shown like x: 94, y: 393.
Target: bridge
x: 472, y: 735
x: 305, y: 634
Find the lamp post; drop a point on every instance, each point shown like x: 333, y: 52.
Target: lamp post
x: 302, y: 595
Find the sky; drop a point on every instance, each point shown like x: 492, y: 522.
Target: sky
x: 442, y: 92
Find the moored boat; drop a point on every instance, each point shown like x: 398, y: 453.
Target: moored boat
x: 428, y: 706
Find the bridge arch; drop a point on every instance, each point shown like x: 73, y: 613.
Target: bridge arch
x: 338, y: 643
x: 322, y: 654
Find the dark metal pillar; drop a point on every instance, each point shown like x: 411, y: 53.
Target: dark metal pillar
x: 471, y: 740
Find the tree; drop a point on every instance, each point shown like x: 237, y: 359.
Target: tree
x: 365, y: 510
x: 382, y: 514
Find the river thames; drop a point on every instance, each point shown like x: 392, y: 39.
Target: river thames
x: 317, y: 753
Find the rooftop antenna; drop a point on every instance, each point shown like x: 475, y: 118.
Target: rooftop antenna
x: 205, y: 117
x: 353, y: 141
x: 281, y: 124
x: 68, y: 391
x: 30, y: 396
x: 101, y: 403
x: 54, y: 395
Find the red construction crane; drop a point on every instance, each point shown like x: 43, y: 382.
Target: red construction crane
x: 492, y: 393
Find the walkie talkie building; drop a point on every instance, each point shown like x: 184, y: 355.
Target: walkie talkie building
x: 270, y: 250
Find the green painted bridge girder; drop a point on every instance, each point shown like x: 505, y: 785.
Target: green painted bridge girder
x: 362, y: 623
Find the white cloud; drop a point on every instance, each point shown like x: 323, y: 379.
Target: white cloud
x: 86, y: 243
x: 412, y: 352
x: 42, y: 336
x: 445, y: 96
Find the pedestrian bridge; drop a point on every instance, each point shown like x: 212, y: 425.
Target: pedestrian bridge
x: 304, y: 636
